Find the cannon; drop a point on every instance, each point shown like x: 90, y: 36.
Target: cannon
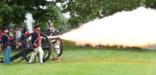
x: 51, y: 45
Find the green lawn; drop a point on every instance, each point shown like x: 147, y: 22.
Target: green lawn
x: 90, y: 61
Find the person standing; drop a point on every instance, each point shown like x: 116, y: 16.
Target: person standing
x: 18, y: 34
x: 23, y: 44
x: 36, y: 42
x: 51, y: 29
x: 6, y: 45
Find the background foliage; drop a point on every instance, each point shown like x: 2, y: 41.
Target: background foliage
x: 80, y: 11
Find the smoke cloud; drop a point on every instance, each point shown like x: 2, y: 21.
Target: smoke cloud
x: 29, y: 21
x: 136, y: 28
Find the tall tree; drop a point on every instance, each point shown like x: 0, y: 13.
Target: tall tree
x: 13, y: 11
x: 82, y: 11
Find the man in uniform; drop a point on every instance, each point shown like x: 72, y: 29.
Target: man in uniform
x: 36, y: 42
x: 6, y: 45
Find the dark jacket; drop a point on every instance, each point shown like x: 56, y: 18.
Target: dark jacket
x: 36, y: 38
x: 5, y: 40
x: 23, y: 41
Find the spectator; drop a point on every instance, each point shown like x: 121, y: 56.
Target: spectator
x: 23, y: 44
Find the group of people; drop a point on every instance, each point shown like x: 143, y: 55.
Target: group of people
x: 35, y: 41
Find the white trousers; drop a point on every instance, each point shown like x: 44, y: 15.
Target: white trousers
x: 57, y: 48
x: 41, y: 54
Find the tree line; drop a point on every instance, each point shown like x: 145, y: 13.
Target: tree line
x: 80, y: 11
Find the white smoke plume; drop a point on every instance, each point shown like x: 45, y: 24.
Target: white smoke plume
x: 29, y: 21
x: 136, y: 28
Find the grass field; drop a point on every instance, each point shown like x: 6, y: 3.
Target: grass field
x: 90, y: 61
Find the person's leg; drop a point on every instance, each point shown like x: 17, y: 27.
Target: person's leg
x: 33, y: 56
x: 24, y: 55
x: 9, y: 54
x: 41, y: 54
x: 24, y: 52
x: 57, y: 48
x: 5, y: 55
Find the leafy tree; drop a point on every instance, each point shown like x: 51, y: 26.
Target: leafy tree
x: 150, y: 3
x: 13, y: 11
x: 81, y: 11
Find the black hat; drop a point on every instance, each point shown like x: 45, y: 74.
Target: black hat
x: 36, y: 26
x: 5, y: 27
x: 24, y: 30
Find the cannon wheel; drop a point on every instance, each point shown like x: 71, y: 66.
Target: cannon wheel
x: 57, y: 47
x: 45, y: 44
